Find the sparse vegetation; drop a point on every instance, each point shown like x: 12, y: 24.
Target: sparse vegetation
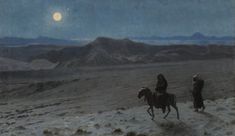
x: 131, y: 133
x: 118, y: 131
x: 47, y: 132
x: 168, y: 125
x: 97, y: 126
x: 233, y: 122
x: 81, y: 132
x: 142, y: 135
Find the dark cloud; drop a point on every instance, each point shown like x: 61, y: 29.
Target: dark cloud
x: 116, y: 18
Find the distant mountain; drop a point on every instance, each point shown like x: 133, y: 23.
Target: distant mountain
x: 106, y: 51
x: 15, y: 41
x: 196, y: 38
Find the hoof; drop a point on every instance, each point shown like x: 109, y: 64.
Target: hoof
x: 203, y: 109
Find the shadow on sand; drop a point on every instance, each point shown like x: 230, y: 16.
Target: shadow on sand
x: 175, y: 128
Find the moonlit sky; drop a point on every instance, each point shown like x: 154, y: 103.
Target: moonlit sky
x: 116, y: 18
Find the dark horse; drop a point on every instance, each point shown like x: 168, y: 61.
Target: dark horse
x: 152, y: 101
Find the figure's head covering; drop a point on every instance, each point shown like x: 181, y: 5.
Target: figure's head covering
x: 195, y: 77
x: 160, y: 76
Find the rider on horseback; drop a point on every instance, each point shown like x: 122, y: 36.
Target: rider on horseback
x: 161, y: 88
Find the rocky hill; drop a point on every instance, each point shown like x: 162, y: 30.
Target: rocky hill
x: 24, y: 53
x: 107, y: 51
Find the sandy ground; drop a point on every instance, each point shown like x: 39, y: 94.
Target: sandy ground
x: 217, y: 120
x: 86, y: 100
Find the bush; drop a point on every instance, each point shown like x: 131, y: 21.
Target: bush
x: 131, y: 134
x: 117, y: 131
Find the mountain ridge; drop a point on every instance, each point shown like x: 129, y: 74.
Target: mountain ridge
x: 108, y: 51
x: 198, y: 37
x: 195, y: 36
x: 41, y: 40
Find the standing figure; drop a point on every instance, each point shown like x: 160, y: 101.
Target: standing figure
x: 161, y: 88
x: 198, y: 85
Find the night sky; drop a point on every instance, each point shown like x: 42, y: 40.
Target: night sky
x: 116, y: 18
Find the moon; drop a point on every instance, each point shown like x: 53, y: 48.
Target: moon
x: 57, y: 16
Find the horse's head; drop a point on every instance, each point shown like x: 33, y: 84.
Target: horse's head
x: 143, y: 91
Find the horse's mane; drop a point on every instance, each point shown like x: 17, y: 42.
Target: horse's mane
x: 146, y: 88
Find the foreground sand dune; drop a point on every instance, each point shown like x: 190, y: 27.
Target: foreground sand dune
x: 217, y: 120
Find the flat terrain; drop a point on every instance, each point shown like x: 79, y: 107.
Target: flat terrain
x: 38, y: 98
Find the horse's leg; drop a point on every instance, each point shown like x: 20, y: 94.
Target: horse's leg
x: 169, y: 110
x: 173, y: 104
x: 152, y: 112
x: 177, y: 111
x: 149, y: 112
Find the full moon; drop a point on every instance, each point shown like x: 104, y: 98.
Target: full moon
x: 57, y: 16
